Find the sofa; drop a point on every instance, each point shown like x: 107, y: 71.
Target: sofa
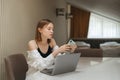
x: 90, y: 52
x: 94, y: 47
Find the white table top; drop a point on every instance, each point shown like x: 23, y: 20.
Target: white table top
x: 92, y: 69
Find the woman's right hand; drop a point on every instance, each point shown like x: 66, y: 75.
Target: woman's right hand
x: 64, y: 48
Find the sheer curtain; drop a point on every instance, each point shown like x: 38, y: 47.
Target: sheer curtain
x: 101, y: 27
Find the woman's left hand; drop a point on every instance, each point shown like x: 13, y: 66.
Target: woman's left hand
x: 73, y: 47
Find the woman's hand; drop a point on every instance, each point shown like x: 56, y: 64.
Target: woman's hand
x: 61, y: 49
x: 67, y: 47
x: 64, y: 48
x: 73, y: 47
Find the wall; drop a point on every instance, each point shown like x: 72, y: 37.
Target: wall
x: 18, y: 19
x: 61, y: 24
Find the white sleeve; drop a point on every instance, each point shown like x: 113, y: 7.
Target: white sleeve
x: 36, y: 61
x: 55, y: 48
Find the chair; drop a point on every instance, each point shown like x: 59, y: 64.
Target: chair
x: 16, y: 67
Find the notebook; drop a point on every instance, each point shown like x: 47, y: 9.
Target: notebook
x: 63, y: 64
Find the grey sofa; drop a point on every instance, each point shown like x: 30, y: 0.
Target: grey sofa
x: 95, y: 50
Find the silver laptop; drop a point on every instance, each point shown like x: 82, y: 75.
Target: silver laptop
x: 63, y: 64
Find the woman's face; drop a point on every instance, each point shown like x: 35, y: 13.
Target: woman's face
x: 47, y: 31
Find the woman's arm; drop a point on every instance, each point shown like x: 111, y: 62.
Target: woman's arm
x: 58, y: 50
x: 35, y: 60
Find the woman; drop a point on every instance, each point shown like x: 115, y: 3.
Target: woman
x: 43, y: 50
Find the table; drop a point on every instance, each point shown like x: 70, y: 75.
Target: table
x: 91, y: 68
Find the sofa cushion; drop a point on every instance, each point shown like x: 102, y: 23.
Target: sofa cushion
x: 82, y: 45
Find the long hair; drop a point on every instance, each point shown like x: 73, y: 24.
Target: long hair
x: 41, y: 24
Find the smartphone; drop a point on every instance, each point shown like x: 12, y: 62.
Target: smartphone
x: 71, y: 42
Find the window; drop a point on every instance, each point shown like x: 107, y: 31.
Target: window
x: 101, y: 27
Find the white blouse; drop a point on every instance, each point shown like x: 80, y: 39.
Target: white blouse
x: 37, y: 63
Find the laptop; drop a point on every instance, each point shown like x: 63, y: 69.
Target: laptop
x: 63, y: 64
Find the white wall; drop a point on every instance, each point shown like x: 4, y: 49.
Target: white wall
x: 61, y: 24
x: 18, y: 19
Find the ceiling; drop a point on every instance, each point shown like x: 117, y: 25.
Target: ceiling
x: 107, y: 8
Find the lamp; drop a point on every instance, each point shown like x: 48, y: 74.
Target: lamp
x: 69, y: 16
x: 60, y: 11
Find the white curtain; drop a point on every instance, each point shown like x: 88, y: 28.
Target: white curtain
x: 101, y: 27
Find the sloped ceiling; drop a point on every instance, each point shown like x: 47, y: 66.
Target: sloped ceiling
x: 108, y: 8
